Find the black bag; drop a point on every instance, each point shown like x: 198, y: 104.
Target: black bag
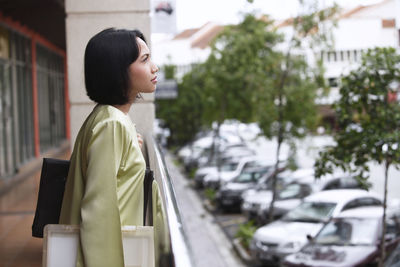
x: 148, y: 192
x: 51, y: 191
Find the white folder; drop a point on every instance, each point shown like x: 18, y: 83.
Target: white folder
x: 60, y: 245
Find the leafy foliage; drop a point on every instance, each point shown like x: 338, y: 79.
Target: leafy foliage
x: 210, y: 194
x: 245, y: 233
x: 183, y: 115
x: 238, y: 56
x: 369, y: 123
x: 247, y: 77
x: 287, y: 108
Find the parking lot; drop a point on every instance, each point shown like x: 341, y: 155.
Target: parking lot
x: 223, y: 201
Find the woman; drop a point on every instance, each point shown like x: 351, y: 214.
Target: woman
x: 104, y: 188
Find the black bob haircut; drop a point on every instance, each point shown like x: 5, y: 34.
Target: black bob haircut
x: 108, y: 55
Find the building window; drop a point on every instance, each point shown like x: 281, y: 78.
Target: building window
x: 7, y: 124
x: 356, y: 54
x: 332, y: 56
x: 333, y: 82
x: 388, y: 23
x: 17, y: 139
x: 50, y: 81
x: 22, y: 69
x: 16, y: 107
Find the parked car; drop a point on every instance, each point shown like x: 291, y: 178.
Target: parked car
x: 226, y: 161
x: 229, y: 195
x: 209, y: 156
x: 274, y: 241
x: 350, y: 239
x: 230, y: 170
x: 254, y: 198
x: 292, y: 195
x: 198, y: 153
x: 393, y: 260
x: 287, y: 199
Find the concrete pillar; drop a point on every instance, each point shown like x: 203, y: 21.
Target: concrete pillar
x: 84, y: 19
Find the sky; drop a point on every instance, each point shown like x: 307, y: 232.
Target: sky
x: 195, y: 13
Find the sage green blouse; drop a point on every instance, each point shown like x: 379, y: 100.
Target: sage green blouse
x: 104, y: 188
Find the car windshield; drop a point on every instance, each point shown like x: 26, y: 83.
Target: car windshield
x: 227, y: 167
x: 247, y: 177
x: 266, y: 183
x: 291, y: 191
x: 310, y: 212
x: 348, y: 232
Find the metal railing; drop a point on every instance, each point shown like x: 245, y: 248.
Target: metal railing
x: 178, y: 252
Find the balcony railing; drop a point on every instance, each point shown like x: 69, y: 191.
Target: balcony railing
x: 169, y: 233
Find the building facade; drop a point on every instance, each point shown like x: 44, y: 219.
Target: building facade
x: 33, y: 94
x: 43, y: 100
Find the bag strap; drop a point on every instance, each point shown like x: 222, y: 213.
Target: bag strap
x: 148, y: 195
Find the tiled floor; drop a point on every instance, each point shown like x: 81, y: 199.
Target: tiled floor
x: 17, y: 207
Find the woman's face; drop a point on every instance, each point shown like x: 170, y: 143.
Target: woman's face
x: 142, y: 72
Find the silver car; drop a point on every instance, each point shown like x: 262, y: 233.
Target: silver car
x: 253, y: 199
x: 292, y: 195
x: 280, y: 238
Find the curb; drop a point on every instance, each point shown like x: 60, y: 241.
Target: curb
x: 242, y: 253
x: 208, y: 206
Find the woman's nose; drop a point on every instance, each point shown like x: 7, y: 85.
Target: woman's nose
x: 155, y: 68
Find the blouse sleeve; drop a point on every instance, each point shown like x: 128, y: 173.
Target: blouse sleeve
x: 100, y: 229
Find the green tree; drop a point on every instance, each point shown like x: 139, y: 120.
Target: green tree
x: 286, y: 98
x: 183, y: 115
x: 237, y: 55
x: 369, y: 123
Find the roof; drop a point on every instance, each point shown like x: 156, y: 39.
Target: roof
x: 302, y: 173
x: 339, y: 195
x: 345, y: 14
x: 200, y: 37
x: 354, y: 11
x: 204, y: 39
x: 363, y: 212
x: 186, y: 34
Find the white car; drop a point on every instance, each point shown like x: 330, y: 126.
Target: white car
x: 253, y: 199
x: 229, y: 195
x: 351, y: 237
x: 280, y: 238
x: 226, y: 160
x: 294, y: 193
x: 230, y: 170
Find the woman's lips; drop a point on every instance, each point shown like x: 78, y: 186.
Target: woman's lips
x: 154, y: 80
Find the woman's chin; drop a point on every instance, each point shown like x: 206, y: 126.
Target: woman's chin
x: 149, y: 91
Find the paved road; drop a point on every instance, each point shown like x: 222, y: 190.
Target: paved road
x: 210, y: 246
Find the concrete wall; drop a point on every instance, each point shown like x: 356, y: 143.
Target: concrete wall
x: 84, y: 19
